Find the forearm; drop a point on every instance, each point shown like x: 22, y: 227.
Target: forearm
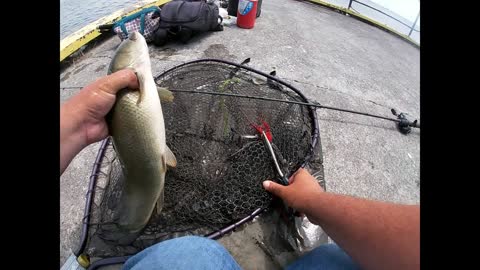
x: 376, y: 235
x: 72, y: 140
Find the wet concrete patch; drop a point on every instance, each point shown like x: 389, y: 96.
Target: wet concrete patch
x: 80, y: 68
x: 218, y: 51
x: 100, y: 68
x: 162, y: 53
x: 65, y: 77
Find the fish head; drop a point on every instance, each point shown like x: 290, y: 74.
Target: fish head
x: 132, y: 53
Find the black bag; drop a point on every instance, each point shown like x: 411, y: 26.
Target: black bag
x: 182, y: 18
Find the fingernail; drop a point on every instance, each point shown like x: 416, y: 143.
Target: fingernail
x: 266, y: 184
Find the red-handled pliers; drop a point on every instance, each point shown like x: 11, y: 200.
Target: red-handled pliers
x: 266, y: 134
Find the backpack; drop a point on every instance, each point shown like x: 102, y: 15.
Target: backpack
x: 180, y: 19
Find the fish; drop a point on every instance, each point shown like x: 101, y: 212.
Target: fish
x: 137, y: 128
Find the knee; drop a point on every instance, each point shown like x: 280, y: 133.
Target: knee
x: 328, y: 256
x: 197, y: 240
x: 198, y: 243
x: 184, y: 253
x: 189, y: 245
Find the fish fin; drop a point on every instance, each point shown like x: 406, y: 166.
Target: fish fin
x: 160, y: 203
x: 170, y: 158
x: 164, y: 94
x: 141, y: 89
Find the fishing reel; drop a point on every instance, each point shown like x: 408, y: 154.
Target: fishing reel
x: 405, y: 125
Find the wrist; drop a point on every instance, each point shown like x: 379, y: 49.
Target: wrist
x: 313, y: 205
x: 71, y: 126
x: 72, y: 135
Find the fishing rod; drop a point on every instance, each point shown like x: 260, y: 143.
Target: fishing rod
x: 404, y: 124
x: 402, y: 121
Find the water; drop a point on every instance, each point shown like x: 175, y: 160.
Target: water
x: 405, y: 11
x: 74, y: 14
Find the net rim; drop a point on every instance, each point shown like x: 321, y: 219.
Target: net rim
x: 219, y: 233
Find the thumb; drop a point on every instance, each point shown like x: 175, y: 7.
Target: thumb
x: 275, y: 189
x: 116, y: 81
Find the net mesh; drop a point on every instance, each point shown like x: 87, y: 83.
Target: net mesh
x: 221, y: 161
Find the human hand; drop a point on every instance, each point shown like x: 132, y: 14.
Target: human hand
x: 90, y: 106
x: 82, y: 118
x: 299, y: 194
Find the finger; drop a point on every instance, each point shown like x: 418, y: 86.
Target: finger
x: 292, y: 178
x: 303, y: 173
x: 114, y: 82
x: 274, y: 188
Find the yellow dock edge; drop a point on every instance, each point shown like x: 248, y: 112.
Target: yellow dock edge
x: 360, y: 16
x: 80, y: 38
x: 75, y: 41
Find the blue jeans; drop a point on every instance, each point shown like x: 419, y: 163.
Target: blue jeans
x: 193, y: 252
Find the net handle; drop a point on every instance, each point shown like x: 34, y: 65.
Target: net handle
x: 108, y: 261
x: 213, y: 236
x: 222, y: 232
x: 89, y: 196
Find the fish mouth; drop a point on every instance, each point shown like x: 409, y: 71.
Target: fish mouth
x: 133, y: 36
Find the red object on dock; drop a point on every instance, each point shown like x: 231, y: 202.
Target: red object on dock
x: 247, y: 13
